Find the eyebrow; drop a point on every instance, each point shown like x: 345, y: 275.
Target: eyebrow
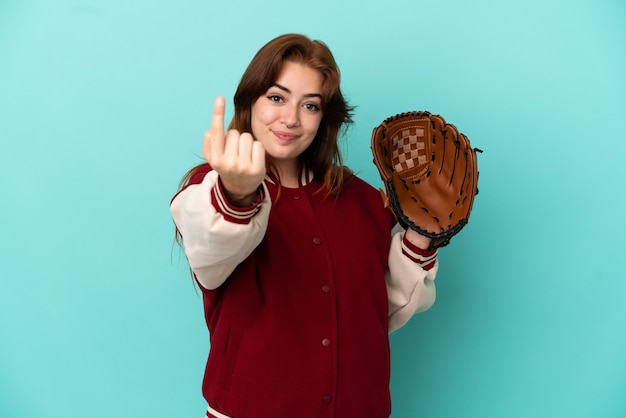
x: 286, y: 90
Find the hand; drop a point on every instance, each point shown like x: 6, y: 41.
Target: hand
x: 237, y: 157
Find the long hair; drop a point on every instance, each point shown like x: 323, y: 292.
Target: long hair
x: 323, y: 156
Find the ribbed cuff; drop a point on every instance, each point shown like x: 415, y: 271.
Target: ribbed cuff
x: 233, y: 213
x: 425, y: 258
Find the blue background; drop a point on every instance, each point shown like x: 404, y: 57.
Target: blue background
x: 103, y: 105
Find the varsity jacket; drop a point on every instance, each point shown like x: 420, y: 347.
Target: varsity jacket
x: 300, y: 292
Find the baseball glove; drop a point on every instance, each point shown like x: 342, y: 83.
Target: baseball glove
x: 430, y: 173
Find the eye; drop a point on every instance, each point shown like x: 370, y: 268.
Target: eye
x: 275, y: 98
x: 312, y: 107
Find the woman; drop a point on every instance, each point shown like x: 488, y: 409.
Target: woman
x: 302, y: 272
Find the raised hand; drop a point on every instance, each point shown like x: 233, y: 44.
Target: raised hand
x: 237, y: 157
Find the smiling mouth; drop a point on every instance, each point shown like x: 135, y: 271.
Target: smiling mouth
x: 284, y: 136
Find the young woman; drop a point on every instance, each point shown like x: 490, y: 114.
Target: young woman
x: 302, y: 272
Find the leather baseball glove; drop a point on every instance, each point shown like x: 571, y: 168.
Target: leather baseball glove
x: 430, y: 173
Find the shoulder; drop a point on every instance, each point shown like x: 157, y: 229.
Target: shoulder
x: 196, y: 175
x: 355, y: 184
x: 193, y: 177
x: 357, y: 189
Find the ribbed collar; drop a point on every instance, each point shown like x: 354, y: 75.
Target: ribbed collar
x: 306, y: 177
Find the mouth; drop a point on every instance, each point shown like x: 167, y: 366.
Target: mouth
x: 284, y: 136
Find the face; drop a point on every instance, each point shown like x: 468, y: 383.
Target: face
x: 285, y: 119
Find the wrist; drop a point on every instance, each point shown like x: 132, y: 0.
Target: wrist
x: 417, y: 239
x: 240, y: 212
x: 238, y: 199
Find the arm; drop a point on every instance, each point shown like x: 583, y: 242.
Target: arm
x: 410, y: 277
x: 220, y: 217
x: 217, y: 235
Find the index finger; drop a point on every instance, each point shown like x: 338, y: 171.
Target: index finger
x: 217, y: 123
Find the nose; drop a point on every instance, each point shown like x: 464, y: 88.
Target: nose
x: 291, y: 115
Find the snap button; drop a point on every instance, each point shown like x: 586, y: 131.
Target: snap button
x: 296, y: 197
x: 326, y: 342
x: 325, y: 288
x: 327, y: 399
x: 317, y: 241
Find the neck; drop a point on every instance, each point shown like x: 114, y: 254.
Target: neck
x: 288, y: 173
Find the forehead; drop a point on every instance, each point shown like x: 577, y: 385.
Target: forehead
x: 300, y: 78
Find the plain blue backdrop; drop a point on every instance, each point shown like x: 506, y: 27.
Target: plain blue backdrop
x: 103, y: 105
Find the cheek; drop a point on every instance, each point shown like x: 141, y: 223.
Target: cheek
x: 256, y: 119
x: 261, y: 115
x: 313, y: 125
